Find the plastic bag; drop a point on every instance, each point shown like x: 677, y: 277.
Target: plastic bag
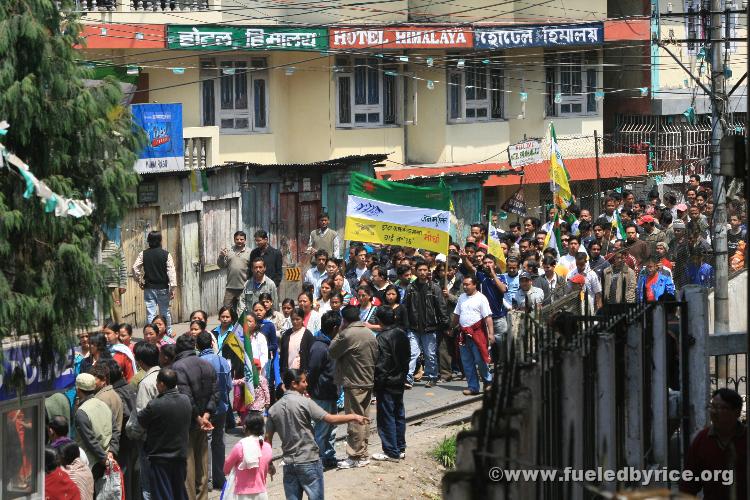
x: 227, y: 492
x: 110, y: 485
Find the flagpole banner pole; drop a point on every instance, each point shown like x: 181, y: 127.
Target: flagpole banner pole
x: 394, y: 213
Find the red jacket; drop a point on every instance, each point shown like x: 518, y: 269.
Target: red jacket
x: 705, y: 453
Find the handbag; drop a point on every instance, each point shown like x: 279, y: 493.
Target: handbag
x: 110, y: 485
x: 227, y: 492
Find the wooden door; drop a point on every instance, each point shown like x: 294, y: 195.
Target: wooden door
x: 220, y: 220
x: 191, y: 268
x: 307, y: 221
x: 288, y: 243
x: 263, y: 211
x: 171, y: 243
x: 136, y: 225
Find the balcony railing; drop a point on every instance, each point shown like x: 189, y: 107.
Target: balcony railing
x: 142, y: 5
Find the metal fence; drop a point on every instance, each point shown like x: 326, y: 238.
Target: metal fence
x: 627, y: 388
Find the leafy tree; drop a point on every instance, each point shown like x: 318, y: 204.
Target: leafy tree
x: 78, y: 139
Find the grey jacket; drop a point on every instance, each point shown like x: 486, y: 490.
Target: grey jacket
x: 355, y: 351
x: 625, y: 286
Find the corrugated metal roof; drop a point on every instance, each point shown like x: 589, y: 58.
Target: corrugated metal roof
x: 342, y: 162
x: 500, y: 174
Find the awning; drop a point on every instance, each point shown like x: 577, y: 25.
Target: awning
x: 580, y: 169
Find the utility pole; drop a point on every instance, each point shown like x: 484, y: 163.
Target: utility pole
x: 719, y: 223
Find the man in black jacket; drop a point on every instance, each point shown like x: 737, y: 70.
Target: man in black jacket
x: 321, y: 387
x: 270, y: 255
x: 425, y: 316
x: 390, y: 375
x: 167, y: 421
x: 196, y: 378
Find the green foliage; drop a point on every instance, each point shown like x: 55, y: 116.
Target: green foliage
x: 81, y: 142
x: 445, y: 452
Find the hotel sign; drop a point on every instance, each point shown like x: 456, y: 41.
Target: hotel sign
x: 245, y: 38
x: 401, y: 38
x: 539, y: 36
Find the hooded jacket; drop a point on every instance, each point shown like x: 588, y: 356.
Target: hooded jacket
x: 321, y: 370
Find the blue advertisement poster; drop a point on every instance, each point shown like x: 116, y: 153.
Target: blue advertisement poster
x: 165, y: 150
x: 29, y: 365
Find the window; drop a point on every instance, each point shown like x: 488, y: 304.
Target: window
x: 698, y: 23
x: 475, y: 93
x: 366, y: 92
x: 572, y: 83
x: 235, y: 94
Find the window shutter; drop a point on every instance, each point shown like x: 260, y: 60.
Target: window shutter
x: 208, y: 95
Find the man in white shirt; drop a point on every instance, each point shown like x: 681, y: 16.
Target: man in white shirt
x: 592, y: 288
x: 474, y: 316
x: 574, y: 246
x: 316, y: 271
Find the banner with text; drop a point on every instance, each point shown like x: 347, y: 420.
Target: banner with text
x: 245, y: 38
x: 411, y: 37
x: 525, y: 153
x: 393, y: 213
x: 539, y: 36
x: 165, y: 149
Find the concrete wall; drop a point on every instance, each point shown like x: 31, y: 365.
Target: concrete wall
x: 737, y: 304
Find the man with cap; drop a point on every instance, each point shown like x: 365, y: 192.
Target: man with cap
x: 662, y: 250
x: 680, y: 212
x: 651, y: 234
x: 528, y: 297
x: 94, y: 422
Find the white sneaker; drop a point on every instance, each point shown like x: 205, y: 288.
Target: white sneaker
x: 349, y: 463
x: 402, y: 455
x: 382, y: 457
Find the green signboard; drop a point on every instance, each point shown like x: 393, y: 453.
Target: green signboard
x: 189, y: 37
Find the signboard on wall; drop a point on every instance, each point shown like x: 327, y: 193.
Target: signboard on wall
x: 22, y: 368
x: 525, y: 153
x: 539, y: 36
x: 165, y: 149
x: 412, y: 37
x: 245, y: 38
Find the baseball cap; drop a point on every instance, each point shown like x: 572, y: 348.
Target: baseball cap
x: 578, y: 279
x: 86, y: 382
x: 525, y: 275
x: 681, y: 207
x: 646, y: 219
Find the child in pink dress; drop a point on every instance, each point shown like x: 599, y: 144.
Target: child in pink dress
x: 251, y: 461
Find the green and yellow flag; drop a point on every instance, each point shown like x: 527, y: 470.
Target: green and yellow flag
x: 392, y: 213
x: 493, y: 243
x: 559, y: 178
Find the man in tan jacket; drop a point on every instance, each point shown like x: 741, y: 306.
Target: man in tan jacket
x: 618, y: 282
x: 355, y: 351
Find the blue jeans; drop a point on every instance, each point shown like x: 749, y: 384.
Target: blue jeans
x: 325, y: 433
x: 391, y: 423
x: 217, y: 452
x: 472, y: 361
x: 426, y: 343
x: 306, y: 477
x: 157, y: 298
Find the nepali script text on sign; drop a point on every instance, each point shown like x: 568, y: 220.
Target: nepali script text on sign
x: 246, y: 38
x: 539, y: 36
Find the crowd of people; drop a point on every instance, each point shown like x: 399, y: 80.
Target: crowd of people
x: 363, y: 330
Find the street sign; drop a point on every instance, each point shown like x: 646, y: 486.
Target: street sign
x: 525, y: 153
x: 292, y: 274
